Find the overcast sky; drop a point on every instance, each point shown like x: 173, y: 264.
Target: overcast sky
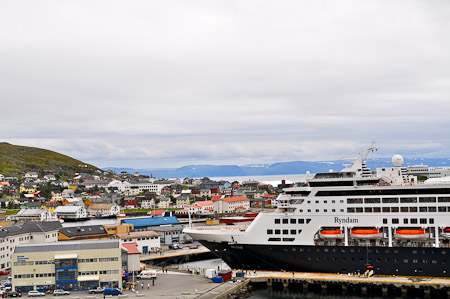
x: 150, y: 84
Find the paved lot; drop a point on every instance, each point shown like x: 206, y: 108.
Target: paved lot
x: 172, y: 285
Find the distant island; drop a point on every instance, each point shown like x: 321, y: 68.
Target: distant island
x: 294, y: 167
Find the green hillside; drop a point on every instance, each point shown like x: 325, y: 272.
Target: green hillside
x: 17, y: 160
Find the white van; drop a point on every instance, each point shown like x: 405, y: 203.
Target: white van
x: 147, y: 274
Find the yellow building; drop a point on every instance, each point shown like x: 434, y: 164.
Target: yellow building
x: 72, y: 265
x: 50, y: 205
x: 27, y: 188
x: 119, y: 229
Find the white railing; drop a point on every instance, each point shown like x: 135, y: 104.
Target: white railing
x: 230, y: 228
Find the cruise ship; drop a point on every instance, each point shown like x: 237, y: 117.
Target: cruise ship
x: 346, y: 222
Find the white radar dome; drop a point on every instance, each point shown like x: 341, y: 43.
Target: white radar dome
x: 330, y: 171
x: 308, y: 172
x: 397, y: 160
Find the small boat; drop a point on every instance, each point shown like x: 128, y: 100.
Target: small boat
x: 411, y: 234
x: 121, y: 215
x: 331, y: 233
x: 366, y: 233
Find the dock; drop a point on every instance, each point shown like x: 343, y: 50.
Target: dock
x: 175, y: 256
x: 345, y: 282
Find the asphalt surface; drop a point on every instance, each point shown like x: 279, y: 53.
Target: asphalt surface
x: 173, y: 285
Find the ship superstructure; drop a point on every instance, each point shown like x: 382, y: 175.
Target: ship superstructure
x: 345, y: 222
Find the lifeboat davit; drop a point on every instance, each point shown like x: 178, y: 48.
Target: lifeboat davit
x: 366, y: 233
x: 331, y: 233
x: 411, y: 234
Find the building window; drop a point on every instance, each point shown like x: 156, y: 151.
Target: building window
x: 270, y: 231
x: 277, y: 221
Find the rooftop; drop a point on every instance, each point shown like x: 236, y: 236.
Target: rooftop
x: 66, y: 246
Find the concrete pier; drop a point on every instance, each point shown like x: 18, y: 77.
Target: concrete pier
x: 382, y: 284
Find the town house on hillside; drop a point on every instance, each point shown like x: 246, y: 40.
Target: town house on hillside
x: 72, y: 213
x: 164, y: 203
x: 182, y: 201
x: 104, y: 210
x: 231, y: 204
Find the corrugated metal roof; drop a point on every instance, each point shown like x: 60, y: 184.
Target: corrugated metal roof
x: 146, y: 222
x: 66, y: 246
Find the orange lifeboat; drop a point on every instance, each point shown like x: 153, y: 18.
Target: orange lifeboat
x: 411, y: 234
x: 331, y: 233
x: 366, y: 233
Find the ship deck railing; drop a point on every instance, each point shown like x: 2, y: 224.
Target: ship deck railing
x: 385, y: 244
x: 230, y: 228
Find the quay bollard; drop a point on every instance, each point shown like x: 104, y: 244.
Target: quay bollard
x: 324, y: 286
x: 269, y: 283
x: 285, y: 284
x: 384, y: 290
x: 305, y: 286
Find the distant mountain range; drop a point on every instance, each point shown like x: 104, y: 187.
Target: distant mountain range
x: 295, y: 167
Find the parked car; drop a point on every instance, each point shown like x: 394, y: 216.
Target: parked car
x: 60, y: 292
x: 35, y: 294
x: 14, y: 294
x: 175, y: 246
x: 194, y: 246
x: 4, y: 272
x: 5, y: 282
x: 98, y: 290
x: 112, y: 291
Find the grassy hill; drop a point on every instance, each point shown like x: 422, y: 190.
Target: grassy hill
x: 17, y: 160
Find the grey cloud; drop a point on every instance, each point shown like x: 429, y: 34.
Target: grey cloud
x: 169, y: 83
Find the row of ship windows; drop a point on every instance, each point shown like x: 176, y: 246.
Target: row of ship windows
x: 386, y: 210
x: 388, y: 200
x: 292, y: 221
x: 411, y: 221
x: 387, y: 260
x: 284, y: 231
x: 364, y: 250
x: 397, y: 200
x: 398, y: 209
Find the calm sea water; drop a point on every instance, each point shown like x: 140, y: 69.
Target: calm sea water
x: 266, y: 179
x: 264, y: 293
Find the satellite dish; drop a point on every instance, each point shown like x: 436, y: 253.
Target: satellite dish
x: 397, y: 160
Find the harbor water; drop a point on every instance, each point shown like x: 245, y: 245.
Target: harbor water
x: 273, y: 293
